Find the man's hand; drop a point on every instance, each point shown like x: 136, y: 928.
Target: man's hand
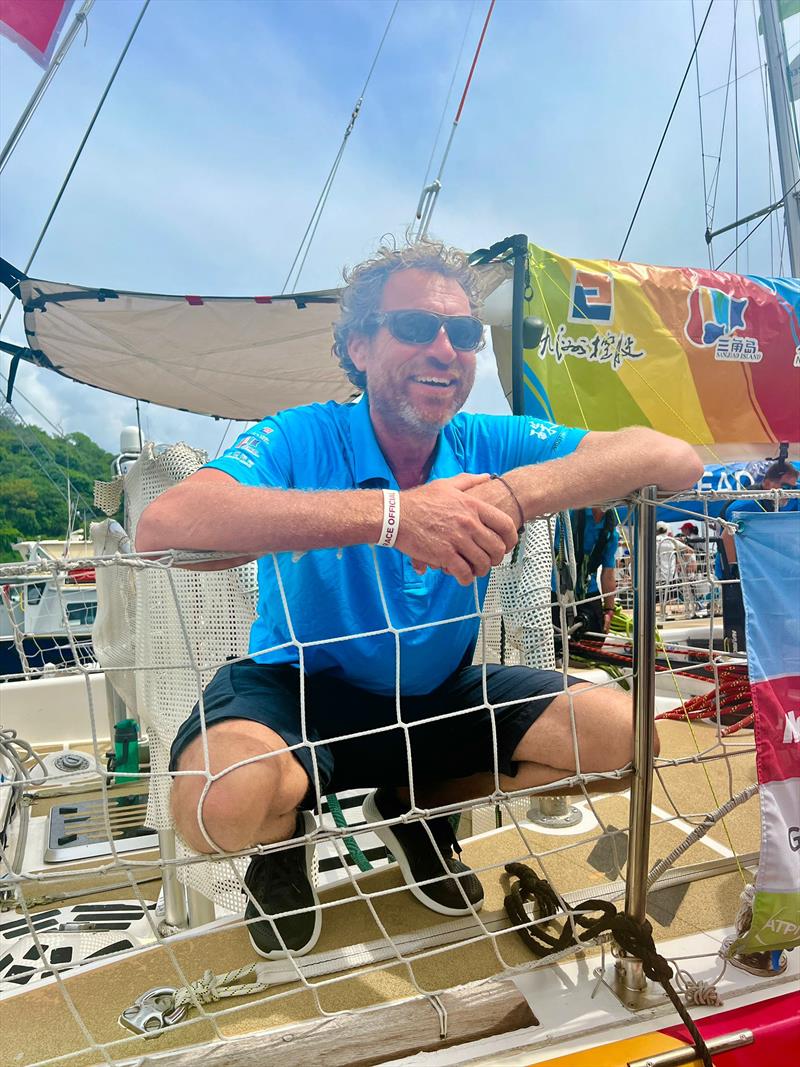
x: 443, y: 526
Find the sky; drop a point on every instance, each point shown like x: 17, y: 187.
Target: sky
x: 213, y: 145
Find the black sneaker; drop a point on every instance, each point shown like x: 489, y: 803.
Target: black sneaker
x: 417, y: 858
x: 281, y: 882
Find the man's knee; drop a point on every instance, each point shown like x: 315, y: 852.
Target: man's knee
x: 226, y: 803
x: 227, y: 810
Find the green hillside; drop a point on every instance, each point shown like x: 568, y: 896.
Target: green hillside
x: 34, y: 468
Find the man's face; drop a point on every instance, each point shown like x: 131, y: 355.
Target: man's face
x: 416, y: 388
x: 787, y: 480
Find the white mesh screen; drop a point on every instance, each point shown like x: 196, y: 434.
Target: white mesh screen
x: 517, y: 624
x: 114, y: 629
x: 194, y: 622
x: 108, y: 496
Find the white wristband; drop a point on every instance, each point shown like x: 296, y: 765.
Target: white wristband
x: 391, y: 518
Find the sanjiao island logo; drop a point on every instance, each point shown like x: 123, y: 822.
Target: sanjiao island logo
x: 714, y: 319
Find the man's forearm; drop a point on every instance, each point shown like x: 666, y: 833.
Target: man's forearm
x: 221, y: 515
x: 605, y: 466
x: 439, y: 524
x: 608, y: 587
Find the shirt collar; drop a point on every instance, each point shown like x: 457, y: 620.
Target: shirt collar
x: 369, y: 462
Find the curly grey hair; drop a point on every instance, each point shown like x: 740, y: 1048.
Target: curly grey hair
x: 365, y: 283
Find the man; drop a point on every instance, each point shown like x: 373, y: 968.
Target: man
x: 317, y: 709
x: 781, y: 475
x: 595, y: 540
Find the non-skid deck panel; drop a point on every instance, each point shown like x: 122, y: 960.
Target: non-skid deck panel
x: 38, y: 1025
x: 700, y: 788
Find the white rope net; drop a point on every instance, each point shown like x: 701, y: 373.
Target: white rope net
x: 161, y: 633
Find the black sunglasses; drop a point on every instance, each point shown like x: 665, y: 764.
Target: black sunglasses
x: 415, y: 327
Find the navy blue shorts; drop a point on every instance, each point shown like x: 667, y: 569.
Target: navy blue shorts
x: 452, y: 747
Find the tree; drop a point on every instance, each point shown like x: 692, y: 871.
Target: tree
x: 39, y: 473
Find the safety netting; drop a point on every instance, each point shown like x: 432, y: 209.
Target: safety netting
x: 553, y: 880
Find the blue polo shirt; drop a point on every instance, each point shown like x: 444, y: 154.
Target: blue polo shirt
x: 420, y: 625
x: 591, y: 532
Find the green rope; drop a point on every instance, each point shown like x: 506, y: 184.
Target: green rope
x: 358, y: 856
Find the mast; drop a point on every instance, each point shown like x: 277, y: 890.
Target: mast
x: 785, y: 129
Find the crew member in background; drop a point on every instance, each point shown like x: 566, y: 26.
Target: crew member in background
x: 595, y: 539
x: 781, y: 475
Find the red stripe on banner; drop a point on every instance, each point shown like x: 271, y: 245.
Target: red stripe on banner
x: 195, y: 301
x: 777, y: 706
x: 263, y: 299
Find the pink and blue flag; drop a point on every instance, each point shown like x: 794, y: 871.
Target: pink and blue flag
x: 34, y: 25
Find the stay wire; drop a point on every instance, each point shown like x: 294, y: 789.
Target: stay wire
x: 718, y: 168
x: 761, y: 221
x: 702, y: 137
x: 81, y: 19
x: 319, y: 207
x: 79, y: 152
x: 666, y: 128
x: 430, y: 193
x: 449, y: 93
x: 65, y: 495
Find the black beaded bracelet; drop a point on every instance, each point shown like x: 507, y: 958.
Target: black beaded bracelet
x: 500, y: 478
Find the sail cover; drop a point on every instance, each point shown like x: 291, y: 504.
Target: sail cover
x: 232, y: 357
x: 705, y: 355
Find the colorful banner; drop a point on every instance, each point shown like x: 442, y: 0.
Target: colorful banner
x: 34, y: 25
x: 768, y: 550
x: 704, y: 355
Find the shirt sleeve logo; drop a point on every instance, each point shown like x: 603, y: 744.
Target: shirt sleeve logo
x: 252, y: 442
x: 543, y: 430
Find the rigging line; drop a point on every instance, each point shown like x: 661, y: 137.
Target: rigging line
x: 427, y: 200
x: 18, y: 394
x: 739, y: 77
x: 224, y: 435
x: 81, y: 146
x: 666, y: 128
x: 449, y: 93
x: 319, y: 207
x: 702, y: 140
x: 44, y: 83
x: 761, y: 221
x: 718, y: 168
x: 43, y: 468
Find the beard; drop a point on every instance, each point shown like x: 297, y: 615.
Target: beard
x: 415, y: 419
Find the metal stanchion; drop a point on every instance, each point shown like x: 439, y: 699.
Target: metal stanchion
x: 630, y: 983
x: 555, y: 813
x: 201, y: 908
x: 175, y: 916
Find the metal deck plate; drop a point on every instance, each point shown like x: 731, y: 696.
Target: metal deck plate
x: 80, y: 829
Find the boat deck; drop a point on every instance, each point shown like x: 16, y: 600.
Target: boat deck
x: 578, y: 864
